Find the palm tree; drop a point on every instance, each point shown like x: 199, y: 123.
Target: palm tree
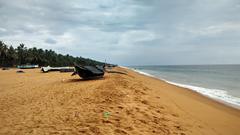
x: 3, y: 54
x: 22, y: 54
x: 11, y: 56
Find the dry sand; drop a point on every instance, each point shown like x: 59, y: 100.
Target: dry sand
x: 57, y: 103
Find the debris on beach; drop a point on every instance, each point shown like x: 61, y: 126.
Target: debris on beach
x: 70, y: 69
x: 5, y: 68
x: 106, y: 115
x: 117, y: 72
x: 20, y: 71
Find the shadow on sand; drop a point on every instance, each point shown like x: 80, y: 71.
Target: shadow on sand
x: 82, y: 80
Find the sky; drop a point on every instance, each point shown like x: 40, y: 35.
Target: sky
x: 128, y: 32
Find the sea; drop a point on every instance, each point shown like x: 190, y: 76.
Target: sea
x: 220, y: 82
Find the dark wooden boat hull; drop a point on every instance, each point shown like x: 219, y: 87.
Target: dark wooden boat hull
x: 89, y: 72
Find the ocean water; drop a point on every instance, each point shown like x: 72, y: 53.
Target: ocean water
x: 220, y: 82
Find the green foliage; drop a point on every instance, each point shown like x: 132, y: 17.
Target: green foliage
x: 10, y: 56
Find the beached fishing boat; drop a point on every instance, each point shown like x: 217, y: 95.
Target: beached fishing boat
x: 61, y: 69
x: 27, y: 66
x: 89, y: 72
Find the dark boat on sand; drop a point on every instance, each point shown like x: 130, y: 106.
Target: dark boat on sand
x: 89, y: 72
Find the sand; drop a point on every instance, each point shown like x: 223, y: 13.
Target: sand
x: 58, y: 103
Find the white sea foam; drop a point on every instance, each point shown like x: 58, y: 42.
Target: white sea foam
x: 219, y: 95
x: 139, y: 71
x: 144, y: 73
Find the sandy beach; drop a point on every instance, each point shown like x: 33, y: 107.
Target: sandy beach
x: 58, y: 103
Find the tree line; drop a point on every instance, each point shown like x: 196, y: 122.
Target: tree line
x: 21, y: 55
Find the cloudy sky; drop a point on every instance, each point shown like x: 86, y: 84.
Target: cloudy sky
x: 128, y: 32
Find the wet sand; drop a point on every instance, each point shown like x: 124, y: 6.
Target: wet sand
x: 58, y: 103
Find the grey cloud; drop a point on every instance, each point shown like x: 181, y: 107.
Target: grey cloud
x: 128, y: 32
x: 50, y: 41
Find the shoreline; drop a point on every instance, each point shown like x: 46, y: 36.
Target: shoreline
x: 221, y: 101
x: 185, y: 94
x: 215, y: 102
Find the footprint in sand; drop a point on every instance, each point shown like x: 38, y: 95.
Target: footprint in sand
x: 120, y: 107
x: 175, y: 115
x: 158, y: 111
x: 95, y: 130
x: 138, y: 109
x: 145, y: 102
x: 120, y: 131
x: 129, y: 128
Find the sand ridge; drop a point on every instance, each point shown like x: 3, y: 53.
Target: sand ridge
x: 57, y: 103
